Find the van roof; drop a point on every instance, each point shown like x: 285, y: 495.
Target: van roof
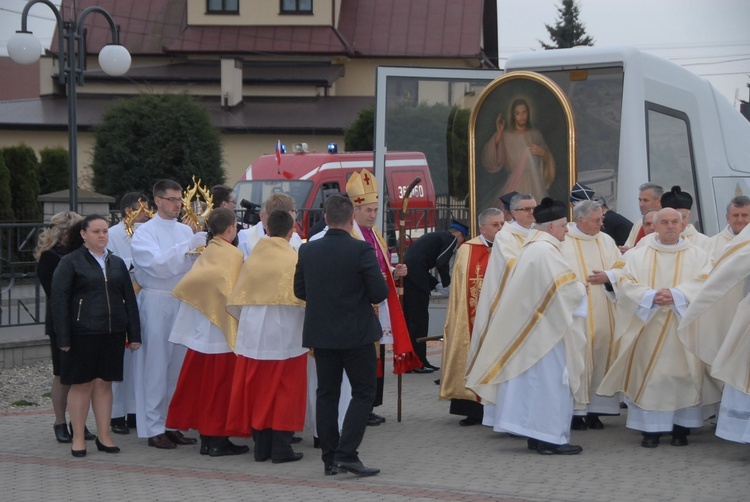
x: 305, y: 165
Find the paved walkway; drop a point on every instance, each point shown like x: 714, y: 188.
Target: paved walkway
x: 426, y: 457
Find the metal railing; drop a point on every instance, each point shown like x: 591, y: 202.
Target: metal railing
x: 21, y: 298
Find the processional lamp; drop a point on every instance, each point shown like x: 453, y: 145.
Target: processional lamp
x: 114, y: 60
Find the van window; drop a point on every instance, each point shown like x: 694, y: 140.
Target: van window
x: 670, y: 153
x: 595, y: 95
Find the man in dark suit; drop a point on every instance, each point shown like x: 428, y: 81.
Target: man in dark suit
x: 340, y: 279
x: 433, y: 250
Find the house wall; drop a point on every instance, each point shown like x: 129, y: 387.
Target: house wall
x: 265, y: 13
x: 239, y: 149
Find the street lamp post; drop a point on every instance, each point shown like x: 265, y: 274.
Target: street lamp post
x: 114, y: 59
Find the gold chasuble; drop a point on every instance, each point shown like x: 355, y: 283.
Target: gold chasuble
x: 653, y: 368
x: 716, y: 326
x: 208, y: 282
x: 532, y: 316
x: 586, y: 253
x: 267, y: 277
x: 469, y: 268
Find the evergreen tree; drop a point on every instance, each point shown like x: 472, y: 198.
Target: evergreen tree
x: 6, y: 197
x: 144, y: 139
x: 568, y: 31
x: 23, y: 166
x: 54, y: 170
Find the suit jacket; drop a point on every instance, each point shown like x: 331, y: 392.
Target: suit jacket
x: 616, y: 226
x: 340, y: 279
x: 433, y: 250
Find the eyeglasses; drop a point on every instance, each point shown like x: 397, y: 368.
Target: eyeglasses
x: 173, y: 200
x: 524, y: 209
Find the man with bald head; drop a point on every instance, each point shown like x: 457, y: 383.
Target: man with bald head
x: 660, y: 379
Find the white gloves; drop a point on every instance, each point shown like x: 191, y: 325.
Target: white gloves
x: 197, y: 240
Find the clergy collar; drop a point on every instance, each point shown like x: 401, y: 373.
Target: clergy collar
x: 515, y: 224
x: 678, y: 243
x: 485, y: 241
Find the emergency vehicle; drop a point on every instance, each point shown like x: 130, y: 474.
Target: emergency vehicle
x: 310, y: 177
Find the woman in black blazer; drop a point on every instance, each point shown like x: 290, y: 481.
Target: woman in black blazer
x: 93, y: 311
x: 54, y: 243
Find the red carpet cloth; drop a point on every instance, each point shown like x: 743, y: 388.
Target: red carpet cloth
x: 268, y: 395
x: 201, y: 399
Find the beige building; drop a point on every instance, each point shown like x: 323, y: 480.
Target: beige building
x: 294, y: 70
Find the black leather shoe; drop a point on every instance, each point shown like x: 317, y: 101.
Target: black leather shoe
x: 293, y: 458
x: 379, y: 418
x: 431, y: 366
x: 356, y: 468
x: 532, y: 443
x: 178, y: 438
x: 204, y: 444
x: 78, y: 453
x: 557, y: 449
x: 593, y: 423
x: 578, y: 424
x: 468, y: 421
x: 104, y: 448
x: 375, y: 419
x: 424, y: 369
x: 679, y: 441
x: 330, y: 470
x: 650, y: 441
x: 295, y: 440
x: 119, y: 426
x: 228, y: 448
x: 87, y: 435
x: 62, y: 434
x: 161, y: 441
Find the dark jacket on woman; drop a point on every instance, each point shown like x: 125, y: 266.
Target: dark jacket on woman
x: 85, y: 302
x: 48, y: 262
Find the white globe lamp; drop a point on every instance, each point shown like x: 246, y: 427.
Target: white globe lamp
x: 24, y: 48
x: 114, y: 60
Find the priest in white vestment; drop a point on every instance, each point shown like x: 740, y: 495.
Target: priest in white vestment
x: 592, y: 255
x: 722, y: 308
x: 661, y: 380
x: 529, y: 362
x: 738, y: 216
x: 248, y: 238
x: 509, y: 241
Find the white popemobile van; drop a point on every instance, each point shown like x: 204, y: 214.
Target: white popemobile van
x: 641, y: 118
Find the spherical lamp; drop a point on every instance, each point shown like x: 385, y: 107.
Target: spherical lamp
x: 114, y: 60
x: 24, y: 48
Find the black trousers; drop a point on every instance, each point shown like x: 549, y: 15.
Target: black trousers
x: 360, y: 365
x: 381, y: 380
x: 466, y: 408
x: 417, y: 315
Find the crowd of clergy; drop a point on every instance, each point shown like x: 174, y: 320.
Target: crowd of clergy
x: 553, y: 324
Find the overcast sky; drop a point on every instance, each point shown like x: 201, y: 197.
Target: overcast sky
x: 709, y: 37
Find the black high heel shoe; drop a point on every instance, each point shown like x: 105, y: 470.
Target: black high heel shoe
x: 61, y: 433
x: 101, y: 447
x: 78, y: 453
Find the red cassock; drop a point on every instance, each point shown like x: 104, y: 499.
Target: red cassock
x: 201, y: 398
x: 268, y: 394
